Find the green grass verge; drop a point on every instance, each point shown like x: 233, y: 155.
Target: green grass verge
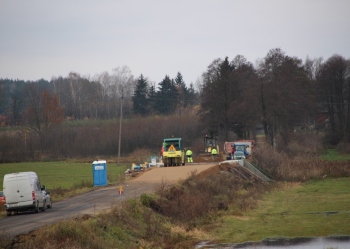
x: 63, y: 175
x: 316, y: 208
x: 63, y: 179
x: 334, y: 155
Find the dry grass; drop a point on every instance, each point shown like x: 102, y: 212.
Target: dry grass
x: 194, y: 201
x: 140, y: 156
x: 171, y: 218
x: 343, y: 148
x: 177, y: 216
x: 303, y: 167
x: 300, y: 144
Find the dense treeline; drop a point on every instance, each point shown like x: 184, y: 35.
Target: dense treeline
x: 98, y: 98
x: 280, y: 94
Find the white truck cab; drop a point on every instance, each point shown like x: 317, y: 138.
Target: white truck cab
x: 23, y: 192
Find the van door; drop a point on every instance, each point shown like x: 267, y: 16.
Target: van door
x: 18, y: 188
x: 38, y: 193
x: 24, y: 187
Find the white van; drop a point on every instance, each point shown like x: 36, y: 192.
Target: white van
x: 22, y: 193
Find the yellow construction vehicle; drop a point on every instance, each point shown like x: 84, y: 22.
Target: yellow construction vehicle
x: 174, y: 153
x: 209, y: 144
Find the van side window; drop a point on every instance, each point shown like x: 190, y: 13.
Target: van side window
x: 36, y: 185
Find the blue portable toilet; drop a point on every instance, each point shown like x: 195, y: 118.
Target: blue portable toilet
x: 99, y: 172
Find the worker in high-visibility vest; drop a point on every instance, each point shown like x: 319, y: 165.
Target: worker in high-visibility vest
x: 189, y: 156
x: 214, y: 153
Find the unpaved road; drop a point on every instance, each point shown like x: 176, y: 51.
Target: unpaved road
x: 102, y: 198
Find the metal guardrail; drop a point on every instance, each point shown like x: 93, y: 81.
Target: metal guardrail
x: 255, y: 171
x: 251, y: 168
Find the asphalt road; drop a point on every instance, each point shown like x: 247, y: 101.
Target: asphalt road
x: 101, y: 198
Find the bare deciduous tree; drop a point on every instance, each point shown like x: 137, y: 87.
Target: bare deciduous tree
x: 334, y: 93
x: 43, y: 112
x: 226, y: 101
x: 123, y: 85
x: 286, y: 94
x: 105, y: 80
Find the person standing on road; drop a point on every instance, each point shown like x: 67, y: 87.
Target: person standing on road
x: 162, y: 152
x: 214, y: 153
x: 189, y: 156
x: 43, y: 190
x: 233, y: 151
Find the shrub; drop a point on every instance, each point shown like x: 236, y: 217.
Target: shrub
x: 5, y: 239
x: 192, y: 202
x: 269, y: 159
x: 305, y: 143
x: 297, y: 168
x: 147, y: 200
x: 343, y: 148
x: 140, y: 155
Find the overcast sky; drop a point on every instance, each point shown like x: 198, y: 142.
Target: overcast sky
x: 45, y: 39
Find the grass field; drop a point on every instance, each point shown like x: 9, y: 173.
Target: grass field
x: 63, y: 179
x: 315, y: 208
x: 334, y: 155
x: 63, y: 175
x: 285, y: 209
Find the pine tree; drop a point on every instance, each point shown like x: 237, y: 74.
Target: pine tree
x: 140, y: 101
x: 166, y: 97
x: 152, y: 95
x: 217, y: 97
x: 179, y: 81
x: 191, y: 98
x: 182, y: 91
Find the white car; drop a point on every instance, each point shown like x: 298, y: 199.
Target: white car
x: 238, y: 155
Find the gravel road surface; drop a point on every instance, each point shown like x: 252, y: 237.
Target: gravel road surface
x: 101, y: 198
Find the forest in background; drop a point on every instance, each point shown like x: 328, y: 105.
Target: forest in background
x: 75, y: 116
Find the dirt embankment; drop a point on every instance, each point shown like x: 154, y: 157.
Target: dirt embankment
x: 171, y: 175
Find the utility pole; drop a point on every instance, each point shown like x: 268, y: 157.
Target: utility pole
x: 120, y: 124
